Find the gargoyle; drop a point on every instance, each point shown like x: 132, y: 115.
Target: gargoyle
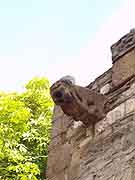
x: 81, y: 103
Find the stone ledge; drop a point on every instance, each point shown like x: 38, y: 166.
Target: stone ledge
x: 123, y: 46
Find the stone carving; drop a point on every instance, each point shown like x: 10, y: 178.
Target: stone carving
x: 125, y: 44
x: 78, y: 102
x: 111, y: 155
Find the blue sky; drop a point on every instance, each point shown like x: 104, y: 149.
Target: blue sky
x: 57, y: 37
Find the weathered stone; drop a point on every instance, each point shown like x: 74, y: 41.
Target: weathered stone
x: 127, y: 174
x: 90, y: 132
x: 57, y: 141
x: 60, y: 176
x: 85, y: 142
x: 59, y: 159
x: 116, y: 114
x: 123, y: 46
x: 130, y: 105
x: 113, y: 116
x: 80, y: 103
x: 75, y: 133
x: 105, y: 89
x: 100, y: 157
x: 73, y: 172
x: 124, y: 68
x: 74, y: 164
x: 77, y: 124
x: 57, y: 112
x: 101, y: 126
x: 110, y: 155
x: 61, y: 125
x: 129, y: 92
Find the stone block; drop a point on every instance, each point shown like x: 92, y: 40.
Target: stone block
x: 73, y: 172
x: 75, y: 160
x: 61, y: 125
x: 112, y: 117
x: 58, y: 113
x: 57, y: 141
x: 130, y: 105
x: 84, y: 146
x: 124, y: 45
x: 129, y: 92
x: 123, y: 68
x: 59, y: 159
x: 76, y: 135
x: 115, y: 114
x: 59, y: 176
x: 101, y: 126
x: 105, y: 89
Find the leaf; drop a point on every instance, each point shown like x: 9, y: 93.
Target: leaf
x: 25, y: 122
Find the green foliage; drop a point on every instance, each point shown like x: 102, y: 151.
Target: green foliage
x: 25, y: 122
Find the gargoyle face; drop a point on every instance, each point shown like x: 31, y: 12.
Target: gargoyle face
x: 60, y: 92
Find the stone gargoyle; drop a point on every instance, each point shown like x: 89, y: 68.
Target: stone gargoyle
x: 81, y: 103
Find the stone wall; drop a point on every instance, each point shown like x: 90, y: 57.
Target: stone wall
x: 74, y: 154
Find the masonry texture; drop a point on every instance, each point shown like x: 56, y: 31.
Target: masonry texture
x: 74, y: 154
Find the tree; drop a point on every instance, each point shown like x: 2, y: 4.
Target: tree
x: 25, y: 122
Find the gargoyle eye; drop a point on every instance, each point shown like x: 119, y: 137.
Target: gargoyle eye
x: 58, y: 94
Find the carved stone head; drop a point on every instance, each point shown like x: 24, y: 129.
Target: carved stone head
x: 60, y: 90
x: 81, y: 103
